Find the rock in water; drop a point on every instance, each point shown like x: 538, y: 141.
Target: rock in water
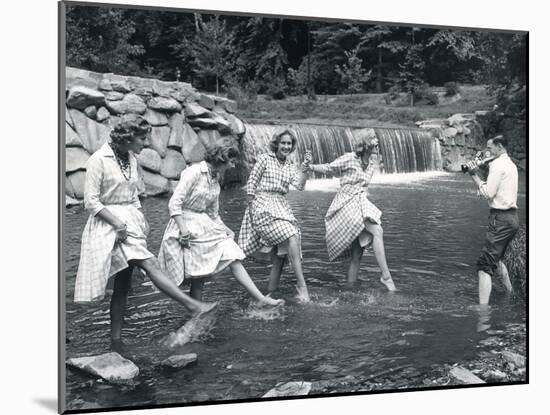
x: 289, y: 389
x: 465, y: 376
x: 514, y: 358
x: 110, y: 366
x: 179, y: 361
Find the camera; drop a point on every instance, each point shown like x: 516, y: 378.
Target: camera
x: 480, y: 159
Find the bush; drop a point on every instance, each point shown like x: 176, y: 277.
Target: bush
x: 424, y: 94
x: 451, y: 89
x: 515, y: 260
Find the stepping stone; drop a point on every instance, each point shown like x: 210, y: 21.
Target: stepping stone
x: 110, y: 366
x: 465, y: 376
x: 289, y: 389
x: 179, y: 361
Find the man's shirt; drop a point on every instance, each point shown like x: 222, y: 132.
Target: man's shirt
x: 501, y: 188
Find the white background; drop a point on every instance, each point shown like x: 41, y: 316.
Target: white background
x: 28, y: 368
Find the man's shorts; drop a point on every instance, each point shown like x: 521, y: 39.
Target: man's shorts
x: 503, y: 225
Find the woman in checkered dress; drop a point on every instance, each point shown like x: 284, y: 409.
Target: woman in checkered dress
x: 196, y: 243
x: 268, y: 225
x: 114, y: 238
x: 353, y: 222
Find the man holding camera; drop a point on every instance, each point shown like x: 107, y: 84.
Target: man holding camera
x: 500, y: 189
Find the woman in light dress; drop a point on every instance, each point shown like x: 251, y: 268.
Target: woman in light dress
x: 196, y: 243
x: 269, y: 225
x: 352, y: 221
x: 114, y: 238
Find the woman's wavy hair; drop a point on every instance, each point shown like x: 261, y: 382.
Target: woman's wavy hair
x: 274, y: 143
x: 128, y: 127
x: 221, y: 153
x: 365, y: 144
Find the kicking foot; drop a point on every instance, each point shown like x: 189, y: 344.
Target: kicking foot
x: 205, y: 308
x: 267, y: 301
x: 388, y: 282
x: 303, y: 295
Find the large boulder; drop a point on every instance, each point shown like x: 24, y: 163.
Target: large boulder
x: 464, y: 376
x: 155, y: 118
x: 164, y: 104
x: 155, y: 184
x: 209, y: 137
x: 230, y: 106
x: 172, y: 165
x: 92, y: 134
x: 206, y: 101
x: 81, y: 77
x: 159, y: 139
x: 118, y: 82
x: 74, y: 184
x: 149, y: 159
x: 71, y: 137
x: 81, y: 97
x: 91, y: 112
x: 236, y: 125
x: 193, y: 110
x: 75, y: 159
x: 176, y: 131
x: 110, y: 366
x: 203, y: 123
x: 163, y: 88
x: 114, y: 96
x: 458, y: 119
x: 131, y: 103
x: 192, y: 148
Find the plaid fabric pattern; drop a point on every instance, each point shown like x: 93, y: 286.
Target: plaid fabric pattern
x: 100, y: 257
x: 346, y: 216
x: 272, y: 221
x: 212, y: 248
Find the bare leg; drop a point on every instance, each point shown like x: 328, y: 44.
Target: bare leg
x: 485, y: 285
x: 356, y: 253
x: 276, y: 271
x: 119, y: 300
x: 296, y: 261
x: 168, y: 287
x: 196, y: 288
x: 244, y: 279
x: 505, y: 277
x: 380, y: 253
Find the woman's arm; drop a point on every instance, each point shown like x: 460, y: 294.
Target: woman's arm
x: 188, y: 179
x: 253, y: 181
x: 334, y: 167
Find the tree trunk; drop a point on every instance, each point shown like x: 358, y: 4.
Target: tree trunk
x: 379, y: 72
x: 217, y: 86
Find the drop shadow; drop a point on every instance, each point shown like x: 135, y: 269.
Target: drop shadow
x: 48, y: 403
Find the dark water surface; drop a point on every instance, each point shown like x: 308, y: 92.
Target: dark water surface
x: 433, y: 229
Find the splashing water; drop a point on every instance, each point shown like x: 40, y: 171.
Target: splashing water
x: 195, y: 330
x: 253, y: 312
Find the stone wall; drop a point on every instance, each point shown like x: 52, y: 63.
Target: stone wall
x: 184, y: 123
x: 462, y: 135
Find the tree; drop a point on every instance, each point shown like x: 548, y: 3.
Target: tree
x: 101, y: 39
x: 352, y: 74
x: 211, y: 49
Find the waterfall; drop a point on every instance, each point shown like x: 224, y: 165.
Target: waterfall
x: 402, y: 150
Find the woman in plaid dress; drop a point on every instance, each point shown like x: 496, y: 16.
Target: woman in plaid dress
x: 268, y: 225
x: 114, y: 238
x: 196, y: 243
x: 353, y: 222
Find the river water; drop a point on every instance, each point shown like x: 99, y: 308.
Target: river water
x: 433, y: 228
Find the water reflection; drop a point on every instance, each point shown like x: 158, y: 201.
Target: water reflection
x: 434, y: 229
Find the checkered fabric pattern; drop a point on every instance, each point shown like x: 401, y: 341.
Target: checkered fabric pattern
x: 346, y: 216
x: 272, y: 221
x: 100, y: 257
x: 212, y: 247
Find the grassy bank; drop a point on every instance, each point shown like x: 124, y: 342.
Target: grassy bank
x: 365, y: 110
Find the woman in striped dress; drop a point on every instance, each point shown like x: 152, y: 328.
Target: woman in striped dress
x: 268, y: 225
x: 114, y: 238
x: 353, y: 222
x: 196, y: 243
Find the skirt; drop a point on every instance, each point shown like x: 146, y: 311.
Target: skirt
x: 346, y: 219
x: 272, y: 224
x: 102, y: 258
x: 211, y: 251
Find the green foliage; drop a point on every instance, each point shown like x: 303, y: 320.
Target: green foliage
x: 352, y: 74
x: 423, y: 94
x: 451, y: 89
x: 410, y: 74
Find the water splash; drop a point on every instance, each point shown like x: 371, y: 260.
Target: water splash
x: 254, y: 312
x: 194, y: 330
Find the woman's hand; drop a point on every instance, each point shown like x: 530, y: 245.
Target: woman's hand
x: 307, y: 162
x: 121, y: 233
x: 185, y: 237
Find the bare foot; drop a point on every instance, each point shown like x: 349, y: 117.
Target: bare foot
x: 267, y: 301
x: 303, y: 295
x: 388, y: 282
